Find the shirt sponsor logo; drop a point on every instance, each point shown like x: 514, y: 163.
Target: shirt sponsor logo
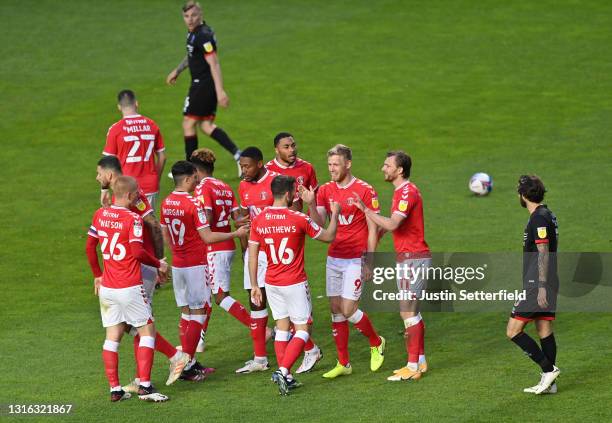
x: 542, y: 232
x: 345, y: 220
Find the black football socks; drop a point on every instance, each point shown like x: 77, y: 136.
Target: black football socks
x: 531, y: 348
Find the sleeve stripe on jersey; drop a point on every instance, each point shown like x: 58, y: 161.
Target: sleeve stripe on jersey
x: 253, y: 242
x: 105, y: 153
x: 92, y: 232
x: 159, y: 150
x: 136, y: 240
x: 541, y: 241
x: 203, y: 226
x: 400, y: 213
x: 318, y: 234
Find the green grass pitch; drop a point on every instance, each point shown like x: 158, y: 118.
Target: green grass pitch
x: 463, y: 86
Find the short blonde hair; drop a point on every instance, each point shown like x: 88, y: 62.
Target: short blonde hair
x: 190, y: 5
x: 123, y: 185
x: 340, y: 150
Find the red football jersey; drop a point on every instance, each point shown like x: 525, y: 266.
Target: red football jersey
x: 301, y: 170
x: 143, y: 208
x: 352, y: 234
x: 255, y: 196
x: 409, y: 237
x: 183, y: 217
x: 133, y: 140
x: 116, y: 227
x: 280, y: 233
x: 218, y: 197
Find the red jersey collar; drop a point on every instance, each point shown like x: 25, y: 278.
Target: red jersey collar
x: 283, y: 166
x: 347, y: 185
x: 403, y: 184
x: 180, y: 192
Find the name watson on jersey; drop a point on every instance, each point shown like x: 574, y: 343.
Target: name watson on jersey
x: 463, y: 295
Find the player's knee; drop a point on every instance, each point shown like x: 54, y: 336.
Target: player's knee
x: 220, y: 296
x: 208, y: 127
x: 189, y: 125
x: 512, y: 332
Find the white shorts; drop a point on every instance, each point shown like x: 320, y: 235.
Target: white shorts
x: 292, y: 301
x: 416, y: 281
x: 220, y: 270
x: 152, y: 198
x: 343, y: 278
x: 191, y: 286
x: 124, y: 305
x: 149, y: 280
x: 262, y: 262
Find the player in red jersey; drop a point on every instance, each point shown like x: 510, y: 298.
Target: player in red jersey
x: 108, y: 170
x: 122, y: 298
x: 280, y: 233
x: 186, y: 231
x: 220, y: 204
x: 138, y: 143
x: 356, y: 236
x: 406, y: 225
x: 286, y: 162
x: 255, y: 194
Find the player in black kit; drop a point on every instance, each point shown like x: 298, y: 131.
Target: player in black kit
x: 206, y: 90
x: 541, y: 283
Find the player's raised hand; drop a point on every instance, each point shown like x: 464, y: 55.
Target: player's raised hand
x: 172, y: 76
x: 256, y: 297
x: 243, y: 231
x: 335, y: 208
x: 306, y: 194
x: 97, y: 283
x: 242, y: 221
x: 358, y: 202
x: 223, y: 99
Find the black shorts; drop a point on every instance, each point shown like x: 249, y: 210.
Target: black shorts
x: 201, y: 102
x: 528, y: 309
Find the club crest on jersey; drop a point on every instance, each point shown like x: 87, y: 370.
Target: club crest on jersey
x: 263, y: 195
x: 300, y: 180
x: 137, y: 229
x: 208, y: 47
x: 403, y: 205
x: 140, y: 205
x: 542, y: 232
x: 375, y: 202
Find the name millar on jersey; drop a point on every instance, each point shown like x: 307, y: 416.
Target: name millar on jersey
x: 137, y: 128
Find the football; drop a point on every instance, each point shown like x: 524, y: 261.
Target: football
x: 481, y: 184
